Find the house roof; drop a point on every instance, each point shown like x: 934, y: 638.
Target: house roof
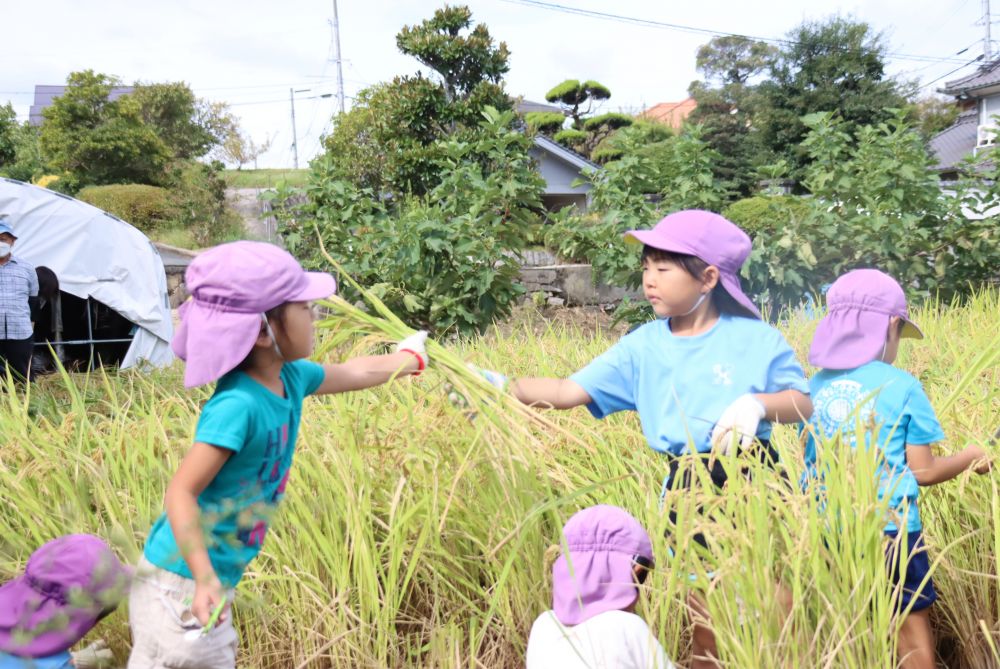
x: 44, y: 95
x: 670, y: 113
x: 527, y: 106
x: 567, y: 155
x: 986, y: 75
x: 953, y: 144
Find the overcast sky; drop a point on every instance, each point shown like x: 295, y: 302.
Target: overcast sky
x: 250, y: 52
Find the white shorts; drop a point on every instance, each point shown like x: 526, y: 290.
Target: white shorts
x: 160, y: 615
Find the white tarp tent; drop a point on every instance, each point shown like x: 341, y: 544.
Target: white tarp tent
x: 94, y: 255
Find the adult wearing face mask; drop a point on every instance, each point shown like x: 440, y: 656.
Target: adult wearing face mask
x: 18, y: 306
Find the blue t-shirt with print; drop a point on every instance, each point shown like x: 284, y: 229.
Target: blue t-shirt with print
x: 895, y: 403
x: 260, y: 428
x: 61, y: 660
x: 681, y: 385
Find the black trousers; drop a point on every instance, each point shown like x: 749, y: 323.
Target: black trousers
x: 16, y: 354
x: 678, y: 478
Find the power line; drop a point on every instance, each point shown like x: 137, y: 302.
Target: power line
x: 690, y: 29
x: 946, y: 74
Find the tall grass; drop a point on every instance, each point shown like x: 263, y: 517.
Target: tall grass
x: 412, y: 536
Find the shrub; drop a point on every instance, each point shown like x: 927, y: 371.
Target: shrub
x: 146, y: 207
x: 450, y: 261
x: 767, y: 214
x: 198, y: 202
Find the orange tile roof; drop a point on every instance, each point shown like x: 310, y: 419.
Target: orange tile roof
x: 670, y: 113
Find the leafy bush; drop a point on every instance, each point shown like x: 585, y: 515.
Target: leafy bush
x: 146, y: 207
x: 764, y: 214
x: 198, y: 203
x: 449, y: 260
x: 623, y: 198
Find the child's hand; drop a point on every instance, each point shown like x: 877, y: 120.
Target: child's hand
x: 207, y: 595
x: 94, y: 656
x: 738, y: 423
x: 495, y: 379
x: 415, y: 344
x: 981, y: 463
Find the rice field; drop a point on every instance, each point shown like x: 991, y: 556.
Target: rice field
x: 412, y: 536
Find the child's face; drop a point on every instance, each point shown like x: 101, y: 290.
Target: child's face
x: 670, y: 289
x: 295, y: 331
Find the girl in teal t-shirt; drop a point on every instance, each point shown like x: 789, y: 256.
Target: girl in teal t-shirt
x: 248, y: 326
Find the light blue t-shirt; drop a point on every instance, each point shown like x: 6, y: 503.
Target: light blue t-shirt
x: 895, y: 403
x: 681, y: 385
x: 61, y: 660
x: 260, y: 428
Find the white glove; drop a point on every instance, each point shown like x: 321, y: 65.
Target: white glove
x: 495, y: 379
x: 93, y: 656
x: 737, y: 424
x: 415, y: 344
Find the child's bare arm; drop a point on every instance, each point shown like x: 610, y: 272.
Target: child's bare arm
x: 549, y: 393
x: 198, y: 468
x: 786, y: 406
x: 366, y: 372
x: 930, y: 469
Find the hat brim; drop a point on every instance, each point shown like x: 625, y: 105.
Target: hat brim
x: 22, y: 610
x: 731, y: 283
x: 658, y: 240
x: 910, y: 330
x: 591, y: 582
x: 213, y: 342
x: 318, y: 285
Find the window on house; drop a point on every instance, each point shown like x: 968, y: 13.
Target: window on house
x: 990, y: 107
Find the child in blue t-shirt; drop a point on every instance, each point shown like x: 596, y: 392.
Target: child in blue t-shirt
x: 248, y: 326
x: 855, y: 345
x: 709, y: 373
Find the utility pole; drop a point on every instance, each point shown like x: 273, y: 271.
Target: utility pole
x: 336, y: 57
x: 987, y: 41
x: 295, y: 137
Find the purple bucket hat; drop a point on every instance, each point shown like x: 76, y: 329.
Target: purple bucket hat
x: 853, y: 332
x: 67, y: 585
x: 231, y: 287
x: 596, y: 575
x: 707, y: 236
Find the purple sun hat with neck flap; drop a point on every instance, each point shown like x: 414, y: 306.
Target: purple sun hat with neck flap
x: 232, y: 286
x: 707, y: 236
x: 859, y: 307
x: 595, y: 572
x: 67, y: 585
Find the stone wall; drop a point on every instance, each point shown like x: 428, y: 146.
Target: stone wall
x: 571, y: 285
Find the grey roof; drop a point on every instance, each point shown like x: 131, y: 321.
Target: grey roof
x: 986, y: 75
x: 568, y: 155
x: 527, y: 106
x: 44, y: 95
x: 953, y: 144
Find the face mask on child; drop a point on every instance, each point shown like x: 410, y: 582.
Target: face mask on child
x: 270, y: 333
x: 4, y: 249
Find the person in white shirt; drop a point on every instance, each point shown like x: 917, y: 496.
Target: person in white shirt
x: 595, y: 587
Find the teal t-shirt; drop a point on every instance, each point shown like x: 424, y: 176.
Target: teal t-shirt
x: 61, y: 660
x: 896, y: 404
x: 260, y: 428
x: 681, y: 385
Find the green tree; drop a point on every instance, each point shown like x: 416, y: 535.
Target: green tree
x: 572, y: 95
x: 100, y: 141
x: 190, y: 127
x: 8, y: 134
x: 934, y: 114
x: 727, y: 102
x: 28, y: 163
x: 833, y: 65
x: 586, y: 132
x: 390, y: 141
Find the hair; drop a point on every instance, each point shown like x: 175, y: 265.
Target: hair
x: 695, y: 266
x: 274, y: 315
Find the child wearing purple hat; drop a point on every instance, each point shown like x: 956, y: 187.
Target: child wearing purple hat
x: 68, y: 586
x: 855, y: 345
x: 249, y: 327
x: 595, y: 587
x: 707, y: 375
